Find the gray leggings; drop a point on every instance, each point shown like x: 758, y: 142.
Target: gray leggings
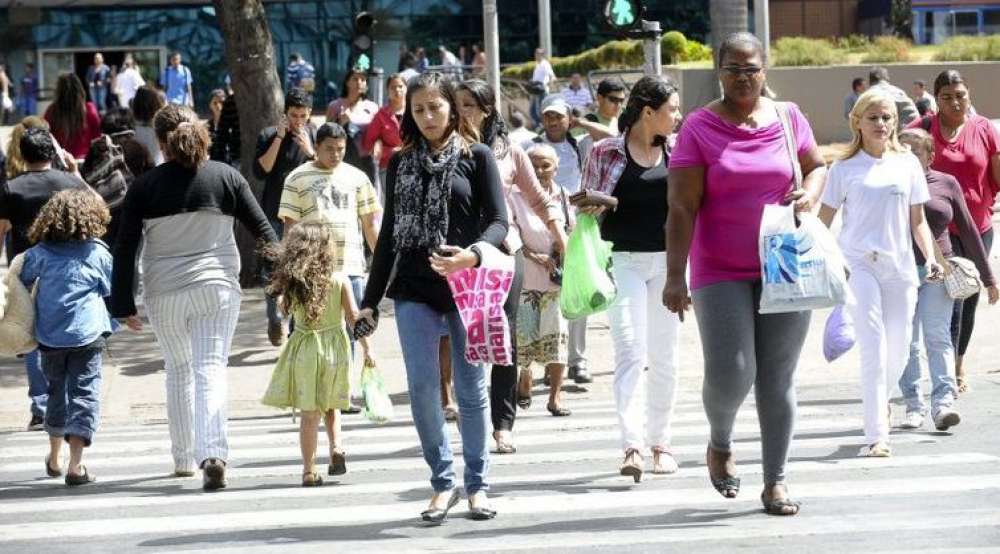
x: 743, y: 348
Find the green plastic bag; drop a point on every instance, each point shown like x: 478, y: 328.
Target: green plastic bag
x: 587, y: 286
x: 378, y: 405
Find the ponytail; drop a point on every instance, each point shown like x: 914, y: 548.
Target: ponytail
x: 184, y: 136
x: 652, y: 91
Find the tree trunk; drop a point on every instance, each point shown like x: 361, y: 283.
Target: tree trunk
x: 727, y: 17
x: 259, y: 98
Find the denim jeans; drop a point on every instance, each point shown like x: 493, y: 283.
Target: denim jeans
x: 100, y: 98
x: 38, y: 385
x: 74, y: 390
x: 418, y: 326
x: 273, y: 313
x: 933, y: 317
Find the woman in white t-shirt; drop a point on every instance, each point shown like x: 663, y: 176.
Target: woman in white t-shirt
x: 881, y: 188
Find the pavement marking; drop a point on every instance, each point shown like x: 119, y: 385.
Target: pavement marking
x: 536, y: 505
x: 362, y: 443
x: 89, y: 503
x: 269, y: 462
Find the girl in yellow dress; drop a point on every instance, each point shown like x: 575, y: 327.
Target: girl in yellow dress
x: 312, y: 370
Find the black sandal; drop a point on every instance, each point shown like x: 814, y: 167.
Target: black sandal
x: 779, y: 507
x: 559, y: 412
x: 728, y: 486
x: 51, y: 472
x: 81, y: 479
x: 338, y: 463
x: 437, y: 516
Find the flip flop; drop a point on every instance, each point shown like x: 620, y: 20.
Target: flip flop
x: 559, y: 412
x: 49, y: 471
x: 338, y: 463
x: 312, y: 479
x: 779, y: 507
x: 437, y: 516
x: 82, y: 479
x: 728, y: 486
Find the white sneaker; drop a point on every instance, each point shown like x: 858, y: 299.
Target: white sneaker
x: 946, y: 418
x: 914, y: 420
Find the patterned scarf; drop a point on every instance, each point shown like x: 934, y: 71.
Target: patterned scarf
x: 422, y: 214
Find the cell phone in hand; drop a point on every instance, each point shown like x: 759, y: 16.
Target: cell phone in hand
x: 362, y: 329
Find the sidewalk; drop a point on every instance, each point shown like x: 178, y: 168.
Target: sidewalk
x: 133, y: 388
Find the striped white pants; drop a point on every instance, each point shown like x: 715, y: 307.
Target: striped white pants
x: 195, y: 328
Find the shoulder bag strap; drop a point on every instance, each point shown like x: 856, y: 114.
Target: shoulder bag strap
x: 789, y: 134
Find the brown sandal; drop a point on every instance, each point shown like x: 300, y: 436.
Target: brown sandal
x: 338, y: 463
x: 312, y: 479
x: 632, y: 465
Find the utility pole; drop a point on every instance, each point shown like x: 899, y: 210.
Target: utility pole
x: 651, y: 48
x: 491, y: 44
x: 762, y: 24
x: 545, y: 27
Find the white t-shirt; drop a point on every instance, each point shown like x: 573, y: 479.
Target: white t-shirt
x: 128, y: 82
x: 875, y: 196
x: 543, y: 73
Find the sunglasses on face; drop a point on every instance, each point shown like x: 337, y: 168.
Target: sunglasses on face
x: 615, y: 99
x: 749, y: 71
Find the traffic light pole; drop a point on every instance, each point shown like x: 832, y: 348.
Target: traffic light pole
x: 651, y: 34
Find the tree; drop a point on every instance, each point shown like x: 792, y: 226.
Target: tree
x: 727, y: 17
x: 259, y: 98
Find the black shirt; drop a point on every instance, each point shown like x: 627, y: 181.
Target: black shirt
x: 290, y: 156
x: 477, y: 213
x: 23, y: 197
x: 637, y: 224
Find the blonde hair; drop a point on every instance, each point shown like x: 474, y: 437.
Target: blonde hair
x: 16, y: 165
x: 71, y: 215
x: 865, y: 101
x: 303, y: 264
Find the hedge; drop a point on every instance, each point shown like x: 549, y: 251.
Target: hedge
x: 617, y: 54
x: 802, y: 51
x: 888, y: 49
x: 971, y: 49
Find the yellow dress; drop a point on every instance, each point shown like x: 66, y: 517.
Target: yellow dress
x: 312, y: 370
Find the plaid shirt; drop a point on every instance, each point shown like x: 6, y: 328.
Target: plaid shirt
x: 605, y: 165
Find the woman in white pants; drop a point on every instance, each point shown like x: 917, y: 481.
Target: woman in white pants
x: 633, y: 168
x: 882, y: 190
x: 183, y: 211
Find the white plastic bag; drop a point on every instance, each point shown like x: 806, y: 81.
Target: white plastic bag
x: 801, y: 266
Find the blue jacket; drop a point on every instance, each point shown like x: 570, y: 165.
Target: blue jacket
x: 73, y: 279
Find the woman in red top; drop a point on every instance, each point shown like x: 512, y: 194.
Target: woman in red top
x: 74, y: 121
x: 967, y: 147
x: 382, y: 135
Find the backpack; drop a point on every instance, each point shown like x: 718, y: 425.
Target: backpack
x: 104, y: 168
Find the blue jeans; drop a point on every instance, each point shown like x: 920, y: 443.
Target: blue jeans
x: 100, y: 98
x: 74, y: 390
x: 38, y: 385
x: 417, y: 325
x: 273, y: 313
x: 933, y: 317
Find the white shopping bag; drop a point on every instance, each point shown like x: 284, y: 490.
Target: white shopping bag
x: 802, y: 267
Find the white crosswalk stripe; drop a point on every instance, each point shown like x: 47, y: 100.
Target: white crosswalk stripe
x: 563, y: 479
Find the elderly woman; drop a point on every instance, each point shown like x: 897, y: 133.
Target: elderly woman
x: 731, y: 160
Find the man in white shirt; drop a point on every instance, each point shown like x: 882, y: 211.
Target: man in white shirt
x: 543, y: 76
x: 576, y: 94
x: 128, y: 81
x: 919, y: 93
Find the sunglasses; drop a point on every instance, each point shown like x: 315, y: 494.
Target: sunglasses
x: 749, y: 71
x: 615, y: 99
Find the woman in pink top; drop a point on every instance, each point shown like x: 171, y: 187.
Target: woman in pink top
x: 967, y: 147
x: 74, y: 121
x: 731, y: 160
x: 476, y: 104
x: 382, y: 135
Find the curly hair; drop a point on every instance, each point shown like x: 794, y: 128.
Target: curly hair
x: 303, y: 265
x: 71, y: 215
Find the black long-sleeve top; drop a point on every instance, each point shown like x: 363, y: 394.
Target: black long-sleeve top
x: 477, y: 213
x: 186, y: 218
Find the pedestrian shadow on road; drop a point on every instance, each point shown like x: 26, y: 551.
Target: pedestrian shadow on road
x: 287, y: 537
x: 33, y: 490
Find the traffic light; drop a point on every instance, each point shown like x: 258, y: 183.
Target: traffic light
x: 362, y: 43
x: 623, y: 15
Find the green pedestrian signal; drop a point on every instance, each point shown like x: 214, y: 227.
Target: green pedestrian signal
x: 364, y: 63
x: 623, y: 15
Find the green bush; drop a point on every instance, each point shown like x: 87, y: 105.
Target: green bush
x: 971, y: 49
x: 696, y: 52
x: 672, y: 46
x: 802, y: 51
x: 888, y: 49
x: 853, y: 43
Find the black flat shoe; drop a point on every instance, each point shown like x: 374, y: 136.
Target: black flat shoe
x: 82, y: 479
x: 351, y: 410
x: 51, y: 472
x: 482, y: 514
x: 559, y: 412
x: 214, y: 475
x: 523, y: 402
x: 437, y: 516
x: 779, y: 506
x: 582, y: 376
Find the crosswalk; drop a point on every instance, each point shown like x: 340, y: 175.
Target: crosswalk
x: 560, y: 490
